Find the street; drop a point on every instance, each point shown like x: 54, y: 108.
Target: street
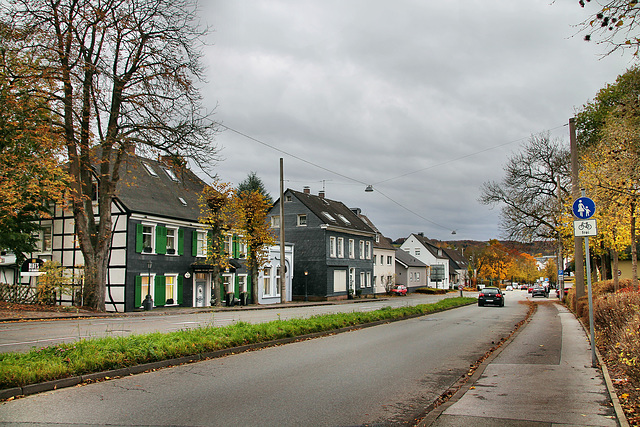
x: 22, y: 336
x: 386, y: 375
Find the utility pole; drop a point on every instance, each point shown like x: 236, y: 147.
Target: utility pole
x: 575, y: 192
x: 283, y: 263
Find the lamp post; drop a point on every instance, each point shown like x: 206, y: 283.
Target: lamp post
x: 306, y: 282
x: 148, y: 301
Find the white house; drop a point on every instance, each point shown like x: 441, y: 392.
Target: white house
x: 435, y: 258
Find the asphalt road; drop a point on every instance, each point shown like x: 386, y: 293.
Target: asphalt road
x: 22, y: 336
x: 384, y: 375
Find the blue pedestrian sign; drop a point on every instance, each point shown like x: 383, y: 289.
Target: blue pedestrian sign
x: 584, y: 208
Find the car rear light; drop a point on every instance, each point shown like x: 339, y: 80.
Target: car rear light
x: 481, y: 294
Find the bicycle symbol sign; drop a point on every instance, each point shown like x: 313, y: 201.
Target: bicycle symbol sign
x: 585, y: 228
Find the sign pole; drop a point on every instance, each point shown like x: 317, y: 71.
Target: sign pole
x: 591, y: 326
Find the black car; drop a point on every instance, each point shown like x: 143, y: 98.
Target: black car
x: 539, y: 291
x: 491, y: 295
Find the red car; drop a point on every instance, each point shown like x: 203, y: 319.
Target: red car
x: 398, y: 290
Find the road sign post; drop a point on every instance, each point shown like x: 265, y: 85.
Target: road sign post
x: 583, y: 209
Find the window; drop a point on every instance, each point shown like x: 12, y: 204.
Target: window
x: 275, y: 222
x: 417, y: 276
x: 288, y: 198
x: 389, y: 280
x: 242, y: 248
x: 368, y: 282
x: 389, y: 259
x: 200, y: 243
x: 417, y: 251
x: 227, y: 245
x: 362, y: 280
x: 411, y: 276
x: 149, y: 169
x: 171, y: 175
x: 340, y: 247
x: 374, y: 281
x: 242, y: 282
x: 278, y: 279
x: 352, y: 248
x: 368, y: 250
x: 183, y: 201
x: 328, y: 216
x: 361, y: 249
x: 146, y: 289
x: 302, y: 220
x: 344, y: 219
x: 172, y: 241
x: 266, y: 282
x: 171, y: 289
x: 375, y: 260
x: 148, y: 238
x: 226, y: 283
x: 332, y: 247
x: 43, y: 239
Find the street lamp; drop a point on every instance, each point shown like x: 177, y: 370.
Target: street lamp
x: 306, y: 282
x: 148, y: 301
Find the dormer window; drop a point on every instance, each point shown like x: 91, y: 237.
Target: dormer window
x: 171, y: 175
x: 328, y: 216
x: 183, y: 201
x: 149, y: 169
x: 344, y: 219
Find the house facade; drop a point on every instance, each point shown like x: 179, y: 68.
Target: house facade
x: 410, y: 271
x: 334, y: 247
x: 384, y: 259
x: 435, y: 259
x: 158, y: 247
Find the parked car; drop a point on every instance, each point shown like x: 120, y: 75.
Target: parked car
x: 530, y: 289
x: 491, y: 295
x: 398, y: 290
x: 509, y: 288
x: 539, y: 291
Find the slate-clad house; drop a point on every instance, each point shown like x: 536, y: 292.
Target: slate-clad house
x: 384, y: 260
x: 156, y: 241
x: 333, y: 246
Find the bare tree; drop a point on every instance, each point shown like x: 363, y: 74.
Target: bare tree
x: 528, y: 192
x: 123, y: 76
x: 613, y: 23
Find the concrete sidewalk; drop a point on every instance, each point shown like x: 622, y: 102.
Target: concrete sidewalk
x: 542, y: 377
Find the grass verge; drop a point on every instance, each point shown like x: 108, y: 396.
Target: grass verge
x: 103, y: 354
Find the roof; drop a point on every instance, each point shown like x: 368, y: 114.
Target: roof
x: 382, y: 242
x: 408, y: 260
x: 159, y: 188
x: 339, y: 215
x: 456, y: 260
x: 430, y: 246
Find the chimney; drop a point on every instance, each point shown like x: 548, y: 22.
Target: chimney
x: 321, y: 194
x: 307, y: 190
x: 421, y: 234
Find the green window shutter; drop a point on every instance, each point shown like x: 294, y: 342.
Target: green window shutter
x: 236, y: 286
x: 194, y: 243
x: 181, y: 242
x: 139, y: 243
x: 180, y: 284
x: 235, y: 250
x: 160, y: 291
x: 161, y: 240
x: 249, y: 287
x: 137, y: 294
x: 209, y: 242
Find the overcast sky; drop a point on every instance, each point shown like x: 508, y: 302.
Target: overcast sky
x: 424, y: 100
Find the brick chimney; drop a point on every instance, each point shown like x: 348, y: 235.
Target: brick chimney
x: 307, y: 190
x: 321, y: 194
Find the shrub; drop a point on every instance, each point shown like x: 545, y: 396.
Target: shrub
x: 431, y: 291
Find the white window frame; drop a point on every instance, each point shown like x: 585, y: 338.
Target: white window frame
x: 150, y: 169
x: 201, y: 245
x: 361, y: 246
x: 242, y: 282
x: 368, y: 279
x: 174, y: 285
x: 340, y: 248
x: 302, y: 220
x: 352, y: 248
x: 367, y: 249
x: 267, y: 282
x: 151, y: 280
x: 332, y: 247
x: 275, y: 221
x: 174, y: 239
x: 362, y: 280
x: 417, y: 252
x: 389, y: 259
x: 153, y: 237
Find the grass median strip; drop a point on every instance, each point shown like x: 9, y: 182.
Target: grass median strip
x: 103, y: 354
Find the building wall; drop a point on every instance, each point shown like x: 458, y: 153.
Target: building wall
x: 383, y: 270
x: 415, y: 247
